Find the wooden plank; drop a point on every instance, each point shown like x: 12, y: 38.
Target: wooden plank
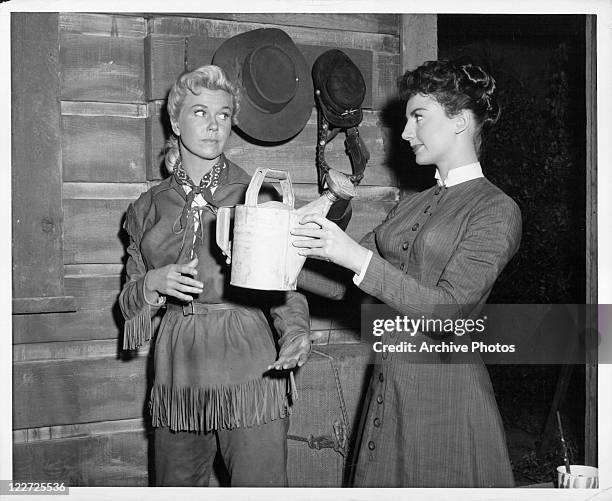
x: 200, y: 50
x: 384, y: 85
x: 418, y: 39
x: 103, y: 148
x: 78, y: 430
x: 364, y: 23
x: 92, y: 270
x: 95, y: 109
x: 103, y: 323
x: 95, y: 293
x: 157, y: 130
x: 164, y: 62
x: 591, y: 369
x: 102, y: 68
x: 70, y: 350
x: 23, y: 305
x: 192, y: 26
x: 94, y: 231
x: 296, y: 156
x: 107, y: 191
x: 36, y: 172
x: 58, y: 392
x: 117, y: 25
x: 107, y: 460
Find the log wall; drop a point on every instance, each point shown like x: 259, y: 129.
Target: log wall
x: 79, y: 401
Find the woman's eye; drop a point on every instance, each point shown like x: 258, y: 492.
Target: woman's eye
x: 224, y: 116
x: 200, y: 113
x: 418, y: 118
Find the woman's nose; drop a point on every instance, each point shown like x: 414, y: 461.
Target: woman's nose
x: 213, y: 125
x: 408, y: 132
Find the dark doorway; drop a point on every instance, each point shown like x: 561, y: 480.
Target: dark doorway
x: 536, y: 154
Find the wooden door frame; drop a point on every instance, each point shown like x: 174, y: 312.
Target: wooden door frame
x: 590, y: 420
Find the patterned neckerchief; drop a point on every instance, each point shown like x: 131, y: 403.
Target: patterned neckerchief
x: 189, y: 219
x: 215, y: 176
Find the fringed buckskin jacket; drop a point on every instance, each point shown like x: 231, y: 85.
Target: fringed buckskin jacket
x: 211, y: 355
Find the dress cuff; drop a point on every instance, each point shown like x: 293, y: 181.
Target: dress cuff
x: 364, y: 267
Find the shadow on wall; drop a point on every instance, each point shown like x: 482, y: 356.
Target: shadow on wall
x: 398, y: 155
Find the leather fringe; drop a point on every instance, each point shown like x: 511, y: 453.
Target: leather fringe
x: 220, y: 407
x: 138, y: 330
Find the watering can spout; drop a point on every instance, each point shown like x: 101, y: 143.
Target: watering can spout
x: 263, y: 256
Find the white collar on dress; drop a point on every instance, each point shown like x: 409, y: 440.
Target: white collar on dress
x: 461, y: 174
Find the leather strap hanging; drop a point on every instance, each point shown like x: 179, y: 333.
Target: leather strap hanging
x: 339, y: 93
x: 354, y: 146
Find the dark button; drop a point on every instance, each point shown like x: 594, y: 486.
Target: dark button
x: 371, y: 445
x: 376, y: 422
x: 379, y: 399
x: 427, y: 209
x: 385, y: 355
x: 381, y: 377
x: 438, y: 190
x: 405, y: 245
x: 401, y: 266
x: 415, y: 227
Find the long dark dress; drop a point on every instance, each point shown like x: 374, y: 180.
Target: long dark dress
x: 438, y: 252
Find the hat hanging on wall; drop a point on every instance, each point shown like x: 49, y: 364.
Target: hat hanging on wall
x: 276, y: 97
x: 339, y: 87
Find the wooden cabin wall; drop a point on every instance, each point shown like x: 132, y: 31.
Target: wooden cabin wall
x: 80, y: 402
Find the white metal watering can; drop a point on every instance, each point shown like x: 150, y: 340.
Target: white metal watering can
x: 262, y: 253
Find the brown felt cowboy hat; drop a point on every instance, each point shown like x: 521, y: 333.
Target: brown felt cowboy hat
x: 275, y: 80
x: 339, y: 88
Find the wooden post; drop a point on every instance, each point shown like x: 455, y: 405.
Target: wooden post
x: 36, y: 163
x: 590, y: 420
x: 418, y: 39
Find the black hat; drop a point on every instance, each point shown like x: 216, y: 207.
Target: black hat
x: 339, y: 88
x: 276, y: 90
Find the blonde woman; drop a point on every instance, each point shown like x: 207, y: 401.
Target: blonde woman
x: 212, y: 386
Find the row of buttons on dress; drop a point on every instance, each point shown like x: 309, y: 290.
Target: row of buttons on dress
x: 379, y: 399
x: 416, y: 226
x: 377, y: 422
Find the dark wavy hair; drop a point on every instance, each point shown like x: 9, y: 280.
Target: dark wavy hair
x: 457, y: 85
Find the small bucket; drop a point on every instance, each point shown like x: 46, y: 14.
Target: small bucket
x: 581, y: 477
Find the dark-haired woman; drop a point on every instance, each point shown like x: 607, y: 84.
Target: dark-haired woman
x: 437, y: 255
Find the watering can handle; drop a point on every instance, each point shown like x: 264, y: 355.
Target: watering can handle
x: 223, y: 230
x: 258, y: 179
